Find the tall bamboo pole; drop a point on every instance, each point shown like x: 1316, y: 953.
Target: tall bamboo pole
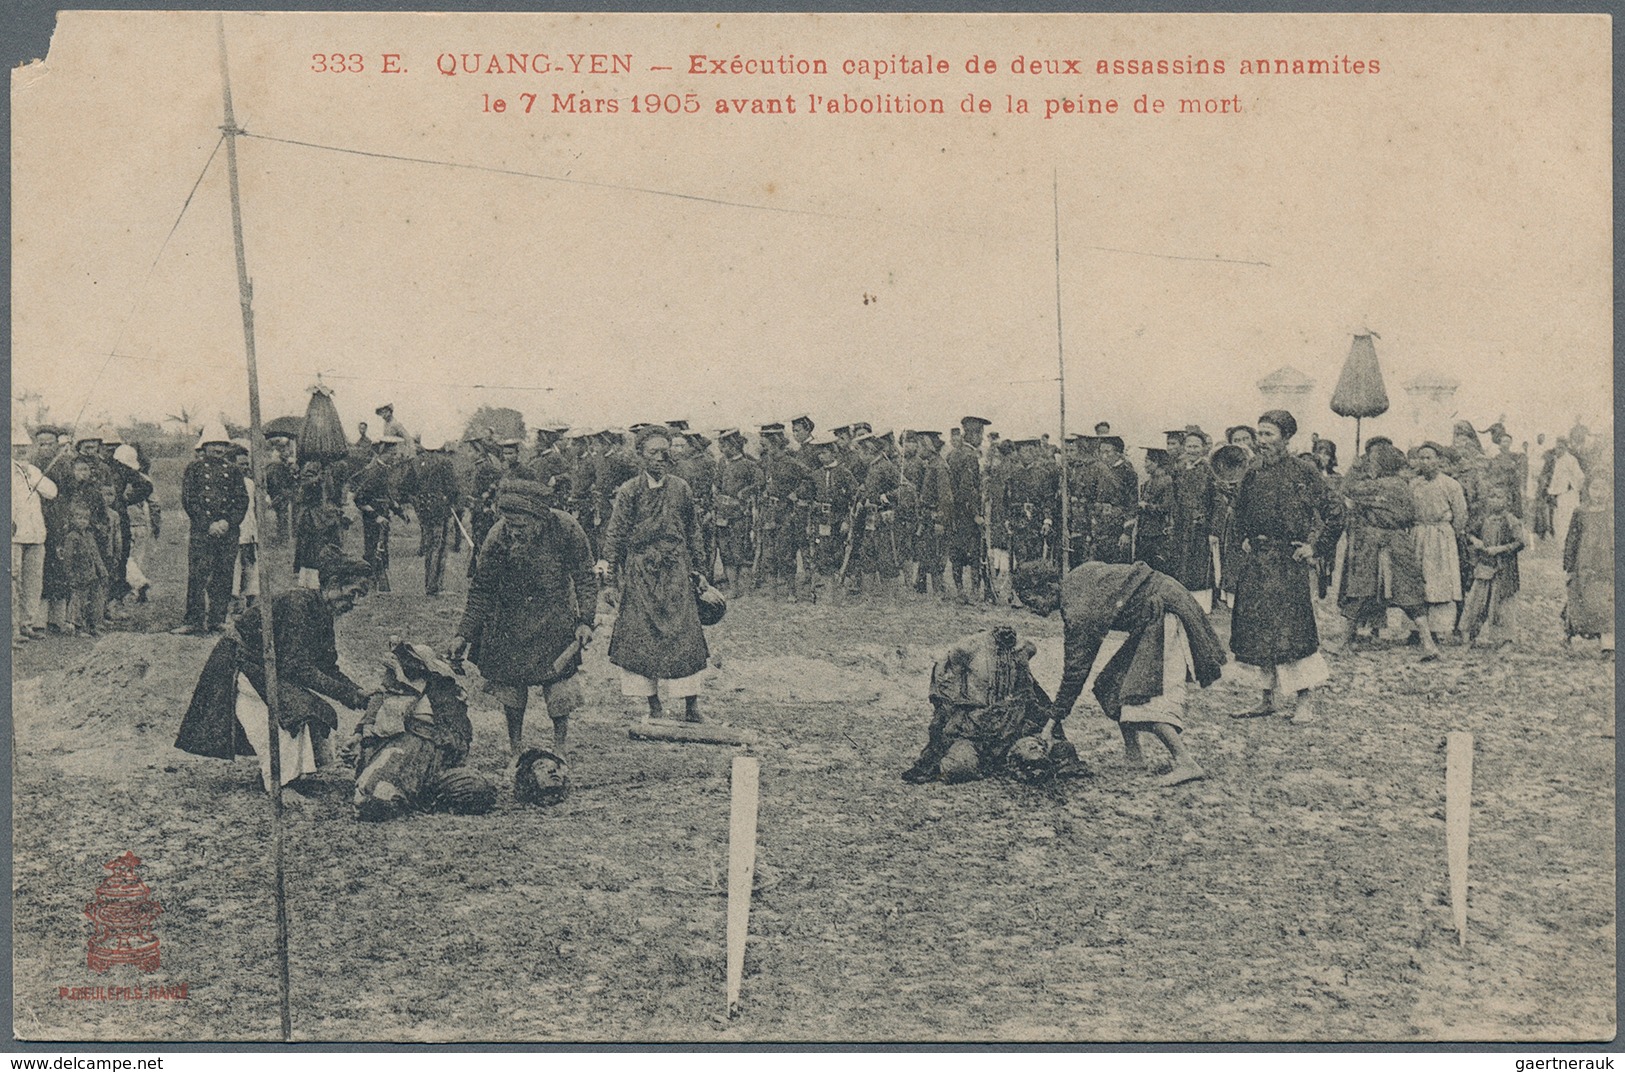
x: 1060, y: 357
x: 257, y: 465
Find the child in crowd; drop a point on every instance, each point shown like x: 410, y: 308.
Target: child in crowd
x: 86, y: 568
x: 1490, y: 609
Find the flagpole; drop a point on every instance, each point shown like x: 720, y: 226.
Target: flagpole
x: 257, y: 466
x: 1060, y: 357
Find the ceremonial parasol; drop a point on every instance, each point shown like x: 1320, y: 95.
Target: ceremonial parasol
x: 1360, y: 392
x: 323, y: 438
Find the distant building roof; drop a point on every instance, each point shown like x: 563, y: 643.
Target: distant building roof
x: 1285, y: 377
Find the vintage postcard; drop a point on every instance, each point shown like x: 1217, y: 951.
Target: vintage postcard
x: 639, y: 527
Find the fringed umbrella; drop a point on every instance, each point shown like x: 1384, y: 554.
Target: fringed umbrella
x: 1360, y: 392
x: 323, y: 435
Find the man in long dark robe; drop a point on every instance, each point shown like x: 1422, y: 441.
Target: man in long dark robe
x: 1286, y: 517
x: 226, y: 720
x: 531, y: 608
x: 652, y: 547
x: 966, y: 518
x: 1143, y: 686
x: 1153, y: 526
x: 1115, y: 500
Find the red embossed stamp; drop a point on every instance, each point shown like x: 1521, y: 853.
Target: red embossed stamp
x: 123, y: 914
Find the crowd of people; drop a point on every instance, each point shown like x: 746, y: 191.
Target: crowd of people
x: 1252, y: 526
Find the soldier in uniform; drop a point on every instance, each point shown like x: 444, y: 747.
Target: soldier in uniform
x: 436, y: 497
x: 1153, y: 528
x: 876, y: 552
x: 550, y: 467
x: 374, y: 488
x: 965, y: 536
x: 615, y: 466
x: 482, y: 495
x: 1032, y: 503
x: 736, y: 489
x: 786, y: 485
x: 829, y: 517
x: 936, y: 509
x: 1197, y: 515
x: 1080, y: 480
x: 1001, y: 465
x: 801, y: 431
x: 215, y: 499
x: 583, y: 472
x: 691, y: 460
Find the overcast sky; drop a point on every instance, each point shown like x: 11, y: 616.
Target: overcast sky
x: 1457, y: 204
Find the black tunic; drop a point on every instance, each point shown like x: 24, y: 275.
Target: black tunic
x: 307, y: 664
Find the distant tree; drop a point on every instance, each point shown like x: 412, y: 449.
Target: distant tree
x: 503, y: 423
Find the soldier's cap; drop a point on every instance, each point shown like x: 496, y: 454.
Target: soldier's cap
x: 974, y: 422
x: 845, y: 429
x: 699, y: 439
x: 52, y: 429
x: 516, y: 496
x: 212, y: 433
x: 820, y: 442
x: 390, y: 406
x: 862, y: 426
x: 1175, y: 433
x: 730, y: 433
x: 772, y: 428
x: 1116, y: 441
x: 1031, y: 442
x: 640, y: 426
x: 552, y: 428
x: 933, y: 436
x: 651, y: 431
x: 1156, y: 454
x: 678, y: 426
x: 802, y: 419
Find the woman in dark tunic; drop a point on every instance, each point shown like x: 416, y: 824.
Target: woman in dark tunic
x: 653, y: 547
x: 1196, y: 514
x: 225, y: 720
x: 1286, y: 517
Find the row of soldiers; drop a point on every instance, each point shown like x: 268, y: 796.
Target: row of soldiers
x: 854, y: 508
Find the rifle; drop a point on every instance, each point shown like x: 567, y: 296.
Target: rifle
x: 851, y: 537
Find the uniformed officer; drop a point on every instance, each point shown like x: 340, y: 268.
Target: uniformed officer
x: 215, y: 499
x: 787, y: 485
x: 829, y: 521
x: 936, y: 509
x: 735, y: 493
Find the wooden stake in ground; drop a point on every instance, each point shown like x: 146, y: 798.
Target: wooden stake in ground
x: 741, y: 869
x: 1458, y: 804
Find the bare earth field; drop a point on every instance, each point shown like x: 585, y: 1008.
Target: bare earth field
x: 1298, y: 893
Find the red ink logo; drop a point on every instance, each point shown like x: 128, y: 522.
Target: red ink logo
x: 123, y: 914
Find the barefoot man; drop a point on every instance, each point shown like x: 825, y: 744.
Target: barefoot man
x: 1143, y: 686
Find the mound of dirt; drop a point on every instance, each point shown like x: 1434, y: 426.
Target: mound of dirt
x: 130, y: 688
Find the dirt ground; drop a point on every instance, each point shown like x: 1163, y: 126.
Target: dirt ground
x: 1298, y: 893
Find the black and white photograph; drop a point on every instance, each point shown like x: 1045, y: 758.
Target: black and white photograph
x: 813, y: 528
